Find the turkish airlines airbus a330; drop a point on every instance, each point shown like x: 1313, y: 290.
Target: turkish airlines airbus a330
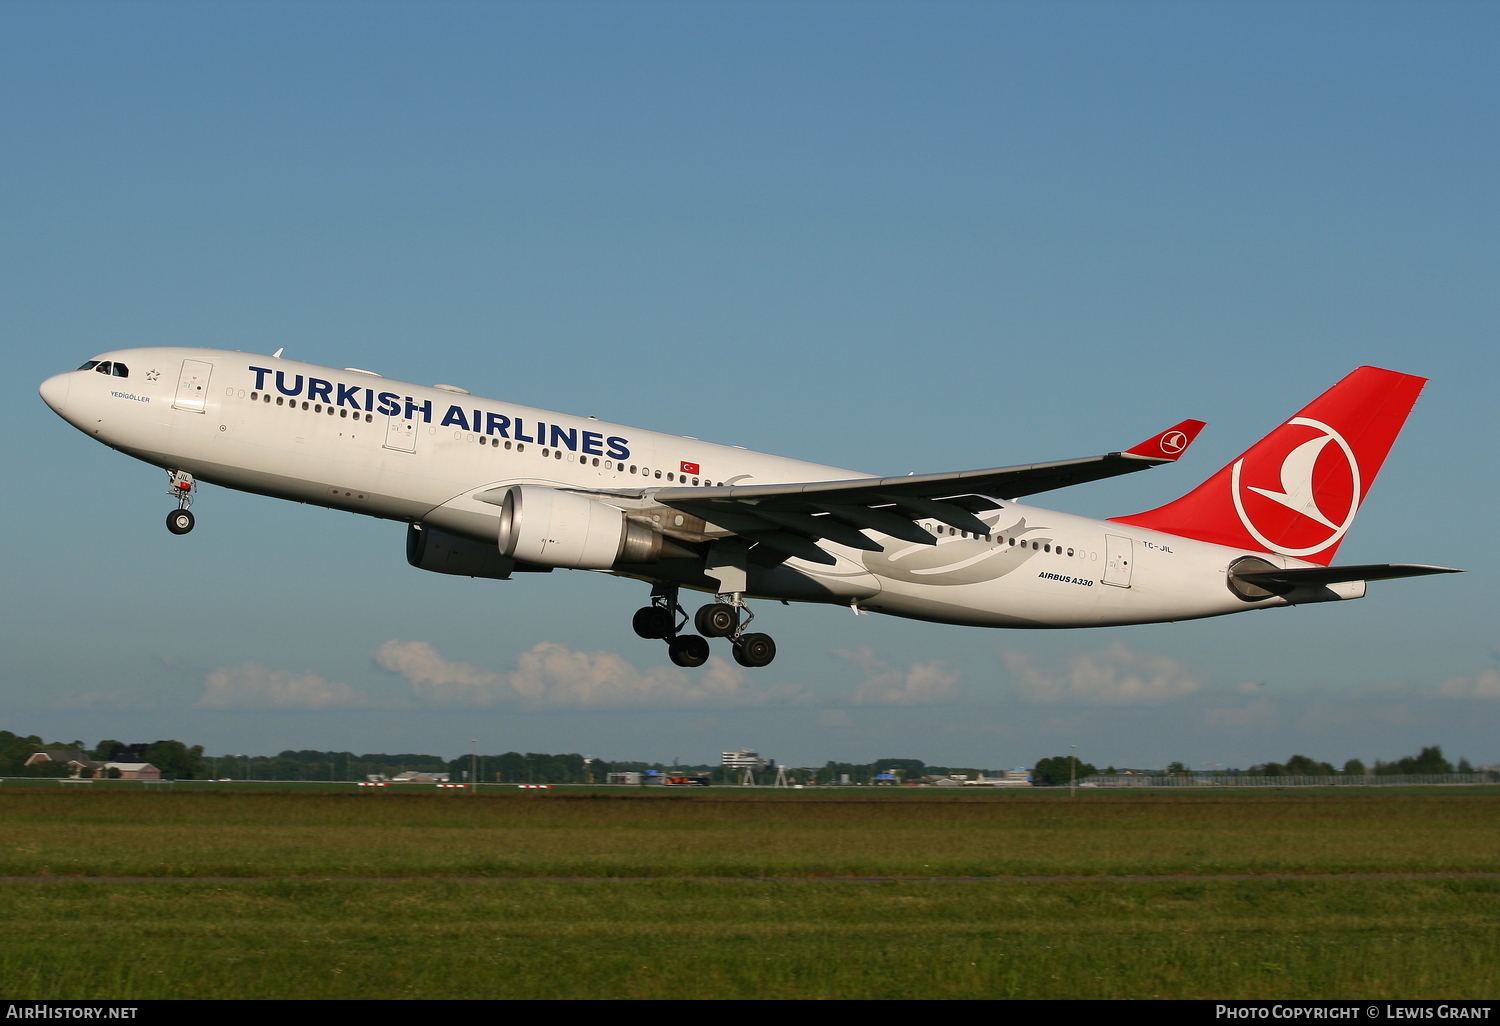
x: 490, y: 489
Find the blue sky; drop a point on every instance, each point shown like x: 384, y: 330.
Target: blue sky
x: 888, y: 236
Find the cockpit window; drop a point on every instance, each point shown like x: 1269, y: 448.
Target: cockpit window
x: 102, y: 368
x: 120, y: 370
x: 89, y: 365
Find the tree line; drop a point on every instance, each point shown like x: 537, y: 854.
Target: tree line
x: 179, y: 761
x: 173, y: 758
x: 1055, y: 771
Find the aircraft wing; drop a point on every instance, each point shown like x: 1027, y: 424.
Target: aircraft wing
x: 792, y: 518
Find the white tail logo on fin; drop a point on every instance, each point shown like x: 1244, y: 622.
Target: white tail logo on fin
x: 1297, y: 489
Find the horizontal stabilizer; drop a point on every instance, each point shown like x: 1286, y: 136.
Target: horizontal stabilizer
x: 1314, y: 576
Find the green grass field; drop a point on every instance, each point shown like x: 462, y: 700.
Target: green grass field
x: 466, y: 907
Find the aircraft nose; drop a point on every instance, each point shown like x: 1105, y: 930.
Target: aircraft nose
x: 54, y: 392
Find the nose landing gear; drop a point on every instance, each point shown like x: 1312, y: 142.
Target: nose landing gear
x: 180, y: 520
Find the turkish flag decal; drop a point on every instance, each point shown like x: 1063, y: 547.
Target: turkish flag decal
x: 689, y: 468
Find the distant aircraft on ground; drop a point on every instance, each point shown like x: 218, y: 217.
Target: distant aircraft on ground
x: 490, y: 489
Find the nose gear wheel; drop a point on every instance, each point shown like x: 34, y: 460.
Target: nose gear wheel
x: 180, y: 521
x: 181, y: 487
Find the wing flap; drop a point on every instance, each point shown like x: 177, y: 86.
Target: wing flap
x: 953, y: 515
x: 792, y: 545
x: 822, y: 527
x: 882, y: 520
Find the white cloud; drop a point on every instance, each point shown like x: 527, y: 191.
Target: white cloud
x: 1484, y: 685
x: 252, y: 686
x: 930, y: 683
x: 554, y: 676
x: 1114, y: 676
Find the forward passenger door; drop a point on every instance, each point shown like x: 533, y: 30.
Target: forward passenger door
x: 401, y: 434
x: 192, y: 386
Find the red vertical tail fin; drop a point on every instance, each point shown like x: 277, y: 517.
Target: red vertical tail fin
x: 1296, y: 491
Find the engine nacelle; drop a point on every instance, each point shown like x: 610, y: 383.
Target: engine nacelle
x: 428, y: 548
x: 556, y: 528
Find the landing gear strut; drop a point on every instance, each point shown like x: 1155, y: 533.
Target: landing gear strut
x: 728, y: 617
x: 722, y: 619
x: 663, y: 619
x: 180, y: 520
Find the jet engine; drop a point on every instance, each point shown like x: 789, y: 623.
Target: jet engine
x: 556, y: 528
x: 428, y: 548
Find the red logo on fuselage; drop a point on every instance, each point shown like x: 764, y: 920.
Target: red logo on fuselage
x: 689, y: 468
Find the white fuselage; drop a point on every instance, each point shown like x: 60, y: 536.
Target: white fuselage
x: 420, y: 454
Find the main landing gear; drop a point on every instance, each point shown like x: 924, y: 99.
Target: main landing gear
x: 721, y: 619
x: 180, y: 520
x: 664, y: 618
